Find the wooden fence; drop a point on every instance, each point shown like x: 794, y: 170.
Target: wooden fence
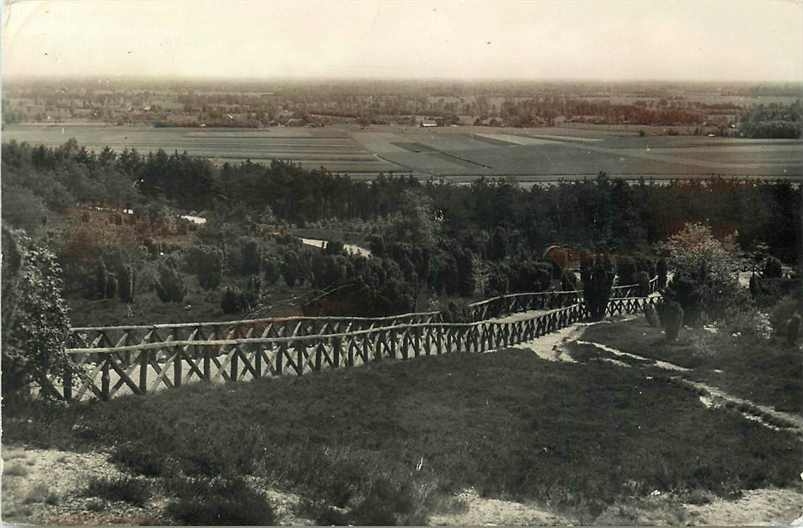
x: 523, y: 302
x: 108, y: 371
x: 122, y: 336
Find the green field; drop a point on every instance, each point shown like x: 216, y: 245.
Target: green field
x: 459, y: 153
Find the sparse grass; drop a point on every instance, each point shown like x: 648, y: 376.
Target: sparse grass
x: 41, y: 494
x: 764, y: 371
x: 125, y: 489
x: 15, y: 470
x: 387, y: 441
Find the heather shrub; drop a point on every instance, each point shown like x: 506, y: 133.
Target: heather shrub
x: 126, y: 489
x: 219, y: 501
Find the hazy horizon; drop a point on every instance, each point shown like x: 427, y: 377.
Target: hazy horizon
x: 445, y: 40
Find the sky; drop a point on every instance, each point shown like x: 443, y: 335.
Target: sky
x: 718, y: 40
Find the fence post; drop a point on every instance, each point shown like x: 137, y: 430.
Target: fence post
x: 280, y: 358
x: 235, y: 364
x: 68, y: 382
x: 258, y: 360
x: 104, y: 379
x: 336, y: 351
x: 144, y: 364
x: 207, y: 364
x: 177, y: 368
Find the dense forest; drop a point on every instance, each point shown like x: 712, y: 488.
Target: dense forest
x: 772, y: 121
x: 428, y: 240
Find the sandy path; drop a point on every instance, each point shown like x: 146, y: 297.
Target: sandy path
x: 481, y: 511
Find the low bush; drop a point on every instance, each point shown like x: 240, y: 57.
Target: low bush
x: 672, y: 320
x: 782, y: 312
x: 661, y: 270
x: 218, y: 501
x: 41, y: 494
x: 207, y: 263
x: 251, y: 256
x: 127, y: 283
x: 125, y: 489
x: 232, y: 300
x: 170, y: 285
x: 597, y: 283
x: 772, y: 268
x: 138, y: 458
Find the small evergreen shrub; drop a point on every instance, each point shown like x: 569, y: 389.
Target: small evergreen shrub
x: 251, y: 257
x: 661, y: 270
x: 169, y: 284
x: 597, y: 283
x: 232, y: 300
x: 127, y: 283
x: 272, y: 270
x: 105, y: 281
x: 209, y: 267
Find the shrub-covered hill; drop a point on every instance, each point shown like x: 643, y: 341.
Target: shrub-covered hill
x: 385, y: 443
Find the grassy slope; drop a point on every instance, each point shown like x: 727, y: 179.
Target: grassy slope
x: 767, y: 372
x: 574, y: 437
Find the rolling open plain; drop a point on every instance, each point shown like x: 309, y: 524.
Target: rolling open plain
x: 453, y: 153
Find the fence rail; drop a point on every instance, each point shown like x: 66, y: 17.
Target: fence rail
x: 522, y: 302
x: 138, y: 368
x: 122, y: 336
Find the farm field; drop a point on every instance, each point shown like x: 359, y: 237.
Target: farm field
x: 457, y: 153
